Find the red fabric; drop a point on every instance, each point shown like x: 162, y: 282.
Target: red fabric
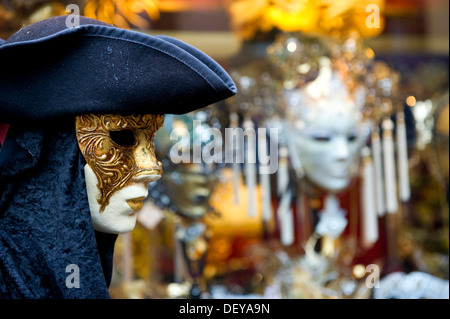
x: 3, y: 131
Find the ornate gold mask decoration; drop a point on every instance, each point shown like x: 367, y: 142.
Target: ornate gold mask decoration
x: 118, y: 148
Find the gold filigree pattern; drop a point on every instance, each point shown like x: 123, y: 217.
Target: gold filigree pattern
x: 115, y: 165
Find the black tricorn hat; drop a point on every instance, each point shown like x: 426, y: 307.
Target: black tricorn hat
x: 48, y: 70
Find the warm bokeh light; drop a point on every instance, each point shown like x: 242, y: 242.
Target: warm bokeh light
x: 123, y: 13
x: 234, y: 217
x: 359, y: 271
x: 411, y: 100
x: 316, y: 16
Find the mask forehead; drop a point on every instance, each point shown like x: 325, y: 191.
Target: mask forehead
x: 114, y: 164
x: 114, y: 122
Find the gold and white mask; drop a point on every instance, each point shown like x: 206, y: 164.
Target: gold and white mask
x: 121, y: 162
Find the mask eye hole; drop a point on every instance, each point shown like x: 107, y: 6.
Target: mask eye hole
x: 352, y: 137
x: 123, y: 137
x: 321, y: 138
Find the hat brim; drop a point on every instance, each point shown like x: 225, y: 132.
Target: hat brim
x: 103, y: 69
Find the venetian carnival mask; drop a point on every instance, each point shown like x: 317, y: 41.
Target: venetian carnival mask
x: 121, y: 162
x: 326, y: 124
x: 190, y: 187
x: 188, y: 182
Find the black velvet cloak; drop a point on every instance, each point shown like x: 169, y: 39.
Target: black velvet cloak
x: 45, y: 223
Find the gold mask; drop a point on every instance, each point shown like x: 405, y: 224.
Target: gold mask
x: 190, y: 187
x: 118, y: 149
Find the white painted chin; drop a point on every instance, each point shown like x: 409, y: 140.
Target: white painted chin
x: 118, y: 217
x: 329, y: 183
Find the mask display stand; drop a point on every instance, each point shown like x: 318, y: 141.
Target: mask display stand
x: 192, y: 240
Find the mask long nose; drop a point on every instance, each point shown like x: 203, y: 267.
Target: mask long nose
x: 145, y: 159
x: 147, y: 177
x: 148, y: 167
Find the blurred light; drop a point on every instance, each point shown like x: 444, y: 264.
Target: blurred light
x: 369, y: 53
x: 291, y: 46
x: 123, y: 13
x: 304, y: 68
x: 359, y: 271
x: 411, y: 100
x: 258, y: 277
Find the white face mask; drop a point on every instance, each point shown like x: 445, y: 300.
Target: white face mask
x: 120, y: 215
x: 325, y: 123
x: 328, y: 145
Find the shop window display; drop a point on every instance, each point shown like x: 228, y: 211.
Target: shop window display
x: 353, y: 100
